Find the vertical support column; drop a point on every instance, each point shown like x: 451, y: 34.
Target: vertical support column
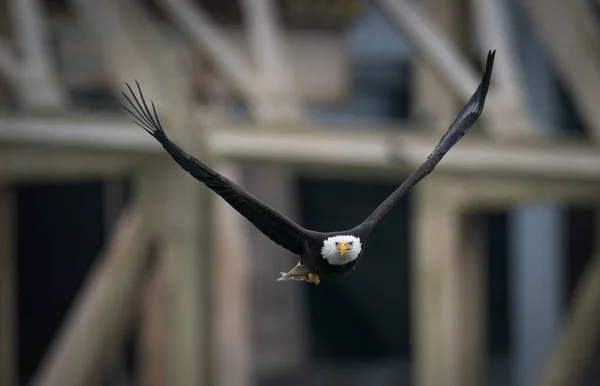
x: 232, y: 356
x: 449, y: 296
x: 180, y: 240
x: 8, y: 309
x: 278, y: 349
x: 279, y: 324
x: 537, y: 241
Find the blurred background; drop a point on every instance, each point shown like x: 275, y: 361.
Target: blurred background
x: 118, y: 268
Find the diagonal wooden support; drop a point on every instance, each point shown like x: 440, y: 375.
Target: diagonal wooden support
x: 9, y: 67
x: 37, y: 84
x: 435, y: 48
x: 495, y: 29
x: 267, y: 41
x: 98, y: 316
x: 206, y: 37
x: 8, y: 274
x: 576, y: 62
x: 436, y: 103
x: 443, y: 56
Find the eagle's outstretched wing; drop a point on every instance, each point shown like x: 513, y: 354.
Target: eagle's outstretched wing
x: 463, y: 122
x: 272, y: 223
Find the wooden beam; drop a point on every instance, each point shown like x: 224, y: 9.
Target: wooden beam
x: 448, y: 305
x: 232, y: 349
x: 8, y: 275
x: 571, y: 359
x: 267, y: 42
x: 576, y: 63
x: 452, y: 66
x: 28, y: 163
x: 38, y: 86
x: 307, y: 145
x: 98, y: 316
x: 481, y: 192
x: 208, y: 39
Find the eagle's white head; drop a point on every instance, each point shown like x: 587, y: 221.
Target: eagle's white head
x: 342, y: 249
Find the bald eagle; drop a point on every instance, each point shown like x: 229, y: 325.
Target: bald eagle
x: 325, y: 255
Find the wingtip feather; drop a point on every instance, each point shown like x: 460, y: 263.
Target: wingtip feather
x: 142, y: 116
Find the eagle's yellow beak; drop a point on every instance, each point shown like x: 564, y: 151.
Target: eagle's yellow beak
x: 342, y: 247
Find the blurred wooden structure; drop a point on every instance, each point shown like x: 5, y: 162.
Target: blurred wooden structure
x: 42, y: 138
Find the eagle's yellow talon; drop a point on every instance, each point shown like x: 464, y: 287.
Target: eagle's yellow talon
x: 312, y: 278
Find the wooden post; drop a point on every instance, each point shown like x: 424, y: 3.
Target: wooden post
x: 280, y: 333
x: 99, y: 314
x: 8, y: 309
x: 232, y: 362
x: 181, y: 237
x: 448, y: 313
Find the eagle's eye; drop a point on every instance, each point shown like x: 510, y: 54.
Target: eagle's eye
x: 350, y: 242
x: 337, y: 243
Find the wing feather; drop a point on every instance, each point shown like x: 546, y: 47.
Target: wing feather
x: 270, y: 222
x: 467, y: 116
